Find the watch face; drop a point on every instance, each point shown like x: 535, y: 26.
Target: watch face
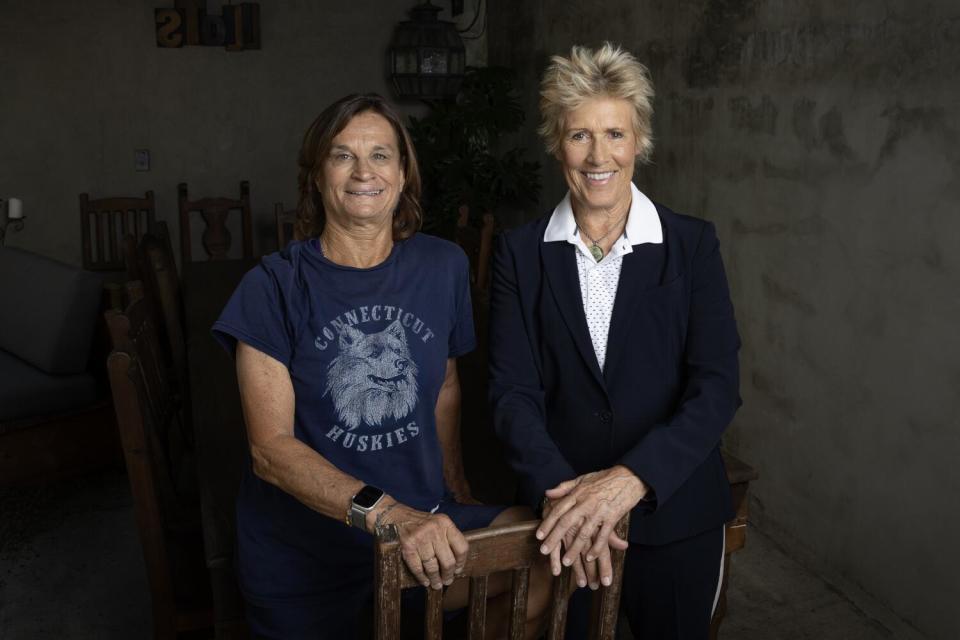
x: 367, y: 497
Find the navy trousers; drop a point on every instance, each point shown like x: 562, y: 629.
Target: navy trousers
x: 668, y: 590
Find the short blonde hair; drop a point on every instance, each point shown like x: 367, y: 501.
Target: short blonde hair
x: 607, y: 72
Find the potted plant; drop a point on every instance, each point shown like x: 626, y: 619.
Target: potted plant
x: 468, y: 179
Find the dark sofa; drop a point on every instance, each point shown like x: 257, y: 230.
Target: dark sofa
x: 53, y: 406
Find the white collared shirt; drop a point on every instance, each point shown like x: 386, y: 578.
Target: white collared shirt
x: 599, y: 280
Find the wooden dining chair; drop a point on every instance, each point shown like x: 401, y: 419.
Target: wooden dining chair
x: 513, y: 548
x: 162, y: 300
x: 286, y: 225
x: 216, y: 238
x: 105, y: 222
x: 167, y: 514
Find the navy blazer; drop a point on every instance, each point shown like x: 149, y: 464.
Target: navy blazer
x: 669, y: 387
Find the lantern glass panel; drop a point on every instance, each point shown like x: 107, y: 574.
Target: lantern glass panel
x: 433, y: 61
x: 405, y: 61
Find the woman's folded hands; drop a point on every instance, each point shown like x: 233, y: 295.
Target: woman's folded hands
x: 579, y: 518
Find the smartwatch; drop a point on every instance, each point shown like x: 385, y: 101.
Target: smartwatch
x: 363, y: 503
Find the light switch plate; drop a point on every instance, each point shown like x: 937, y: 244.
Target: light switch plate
x: 141, y: 159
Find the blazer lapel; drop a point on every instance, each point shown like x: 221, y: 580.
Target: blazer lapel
x: 646, y: 267
x: 560, y: 267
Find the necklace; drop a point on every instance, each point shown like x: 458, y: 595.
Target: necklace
x: 595, y: 250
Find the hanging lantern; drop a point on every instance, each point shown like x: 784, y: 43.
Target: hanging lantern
x: 427, y: 58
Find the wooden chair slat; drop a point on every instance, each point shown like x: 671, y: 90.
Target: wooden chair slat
x: 130, y: 257
x: 520, y: 588
x: 477, y: 612
x: 556, y: 627
x: 246, y: 220
x: 386, y: 615
x: 99, y: 236
x: 606, y: 602
x: 130, y: 223
x: 433, y: 620
x: 112, y: 235
x: 286, y: 222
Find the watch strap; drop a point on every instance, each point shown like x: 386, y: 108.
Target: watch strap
x: 358, y: 517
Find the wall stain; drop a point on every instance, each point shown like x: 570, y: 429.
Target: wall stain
x: 889, y: 52
x: 904, y: 122
x: 808, y: 47
x: 714, y: 52
x: 737, y: 172
x: 774, y: 334
x: 809, y: 174
x: 809, y: 226
x: 759, y: 119
x: 689, y: 114
x: 803, y: 355
x: 741, y: 228
x: 779, y: 292
x: 656, y: 55
x: 933, y: 258
x: 803, y: 123
x: 870, y: 322
x: 768, y: 388
x: 832, y: 133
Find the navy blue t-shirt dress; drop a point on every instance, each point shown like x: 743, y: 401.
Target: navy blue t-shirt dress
x: 367, y: 351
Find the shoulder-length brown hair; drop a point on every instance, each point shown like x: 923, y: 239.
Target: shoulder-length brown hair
x: 316, y: 146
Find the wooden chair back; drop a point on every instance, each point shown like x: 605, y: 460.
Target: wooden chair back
x: 158, y: 270
x: 131, y: 259
x: 167, y: 518
x: 513, y: 548
x: 286, y: 225
x: 216, y: 238
x: 105, y: 222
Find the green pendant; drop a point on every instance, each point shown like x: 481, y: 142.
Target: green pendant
x: 596, y: 252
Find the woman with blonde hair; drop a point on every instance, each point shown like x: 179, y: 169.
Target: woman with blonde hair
x: 614, y: 358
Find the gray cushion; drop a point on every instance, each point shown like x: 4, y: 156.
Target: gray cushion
x: 48, y: 311
x: 27, y: 392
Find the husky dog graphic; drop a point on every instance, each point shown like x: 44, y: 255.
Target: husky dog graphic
x: 373, y: 377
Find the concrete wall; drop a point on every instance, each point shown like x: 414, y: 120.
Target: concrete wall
x: 83, y: 84
x: 822, y: 139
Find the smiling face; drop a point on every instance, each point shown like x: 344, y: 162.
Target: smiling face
x: 362, y: 175
x: 598, y: 152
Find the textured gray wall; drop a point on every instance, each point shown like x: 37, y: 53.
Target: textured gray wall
x: 823, y: 139
x: 83, y: 84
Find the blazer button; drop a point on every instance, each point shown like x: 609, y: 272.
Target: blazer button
x: 606, y: 416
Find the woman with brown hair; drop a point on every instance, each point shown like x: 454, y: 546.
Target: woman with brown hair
x: 346, y: 345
